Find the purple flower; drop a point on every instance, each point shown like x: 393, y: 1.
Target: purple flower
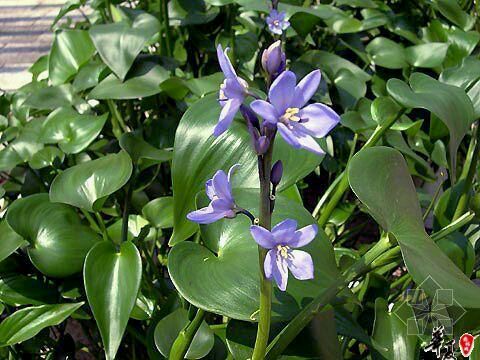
x: 281, y: 241
x: 276, y: 22
x: 222, y: 204
x: 274, y: 60
x: 297, y: 123
x: 232, y: 92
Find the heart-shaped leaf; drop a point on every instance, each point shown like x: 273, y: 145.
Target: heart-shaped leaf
x: 170, y: 326
x: 387, y: 53
x: 223, y: 276
x: 143, y: 80
x: 87, y: 185
x: 18, y: 290
x: 379, y: 177
x: 10, y: 241
x: 112, y: 280
x: 159, y: 212
x: 59, y: 242
x: 72, y: 131
x: 426, y: 55
x: 449, y: 103
x: 119, y: 43
x: 198, y: 155
x: 28, y: 322
x: 139, y: 149
x: 46, y: 157
x: 70, y: 50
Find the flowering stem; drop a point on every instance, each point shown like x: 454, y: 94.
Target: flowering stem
x: 184, y: 339
x: 265, y: 220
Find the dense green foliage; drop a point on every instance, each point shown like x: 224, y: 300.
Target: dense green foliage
x: 108, y: 148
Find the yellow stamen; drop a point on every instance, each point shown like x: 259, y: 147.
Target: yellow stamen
x: 291, y: 114
x: 283, y: 250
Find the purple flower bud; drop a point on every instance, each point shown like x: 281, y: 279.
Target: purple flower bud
x: 274, y: 60
x: 261, y: 145
x: 277, y: 172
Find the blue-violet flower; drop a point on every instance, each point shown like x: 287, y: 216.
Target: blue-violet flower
x: 281, y: 241
x: 297, y: 123
x: 276, y: 22
x: 274, y: 60
x: 232, y: 92
x: 222, y: 205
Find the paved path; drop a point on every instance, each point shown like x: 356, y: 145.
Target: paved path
x: 25, y: 35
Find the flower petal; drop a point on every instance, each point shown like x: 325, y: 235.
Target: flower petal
x: 206, y: 215
x: 304, y: 236
x: 209, y: 189
x: 233, y: 89
x: 306, y: 88
x: 306, y: 141
x: 282, y: 91
x: 229, y: 110
x: 269, y: 263
x: 279, y: 270
x: 225, y: 63
x: 262, y: 237
x: 318, y: 119
x: 265, y: 110
x: 222, y: 187
x: 288, y: 135
x: 301, y: 265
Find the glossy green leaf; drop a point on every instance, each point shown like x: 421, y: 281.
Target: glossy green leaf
x: 46, y: 157
x: 58, y: 242
x: 170, y: 326
x: 223, y: 276
x: 88, y: 76
x: 73, y: 132
x: 28, y: 322
x: 379, y: 177
x: 426, y: 55
x: 159, y: 212
x: 70, y: 50
x: 10, y: 241
x: 198, y: 155
x: 112, y: 280
x: 387, y: 53
x: 87, y: 185
x: 449, y: 103
x: 52, y: 97
x: 143, y: 80
x: 391, y: 329
x: 453, y: 12
x: 349, y: 87
x: 119, y: 43
x: 18, y: 290
x: 9, y: 158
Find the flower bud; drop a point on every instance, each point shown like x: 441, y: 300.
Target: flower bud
x: 250, y: 117
x: 277, y: 172
x: 273, y: 60
x: 261, y: 145
x: 274, y: 4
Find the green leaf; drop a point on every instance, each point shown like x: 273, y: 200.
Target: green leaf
x: 112, y: 280
x: 18, y: 290
x: 350, y: 88
x: 391, y: 331
x: 449, y: 103
x: 58, y: 242
x: 118, y: 44
x: 198, y: 155
x: 46, y: 157
x: 379, y: 177
x: 87, y: 185
x: 10, y: 241
x: 139, y: 149
x: 426, y: 55
x: 73, y: 132
x: 70, y: 50
x: 28, y: 322
x: 453, y: 12
x: 69, y: 6
x: 159, y: 212
x: 52, y: 97
x: 88, y: 76
x: 9, y: 158
x: 170, y: 326
x: 387, y: 53
x: 223, y: 276
x: 143, y: 80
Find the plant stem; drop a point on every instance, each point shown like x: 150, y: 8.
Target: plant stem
x: 263, y: 331
x: 166, y: 24
x: 343, y: 182
x: 126, y: 212
x: 468, y: 173
x: 184, y: 339
x: 91, y: 221
x: 304, y: 317
x: 118, y: 125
